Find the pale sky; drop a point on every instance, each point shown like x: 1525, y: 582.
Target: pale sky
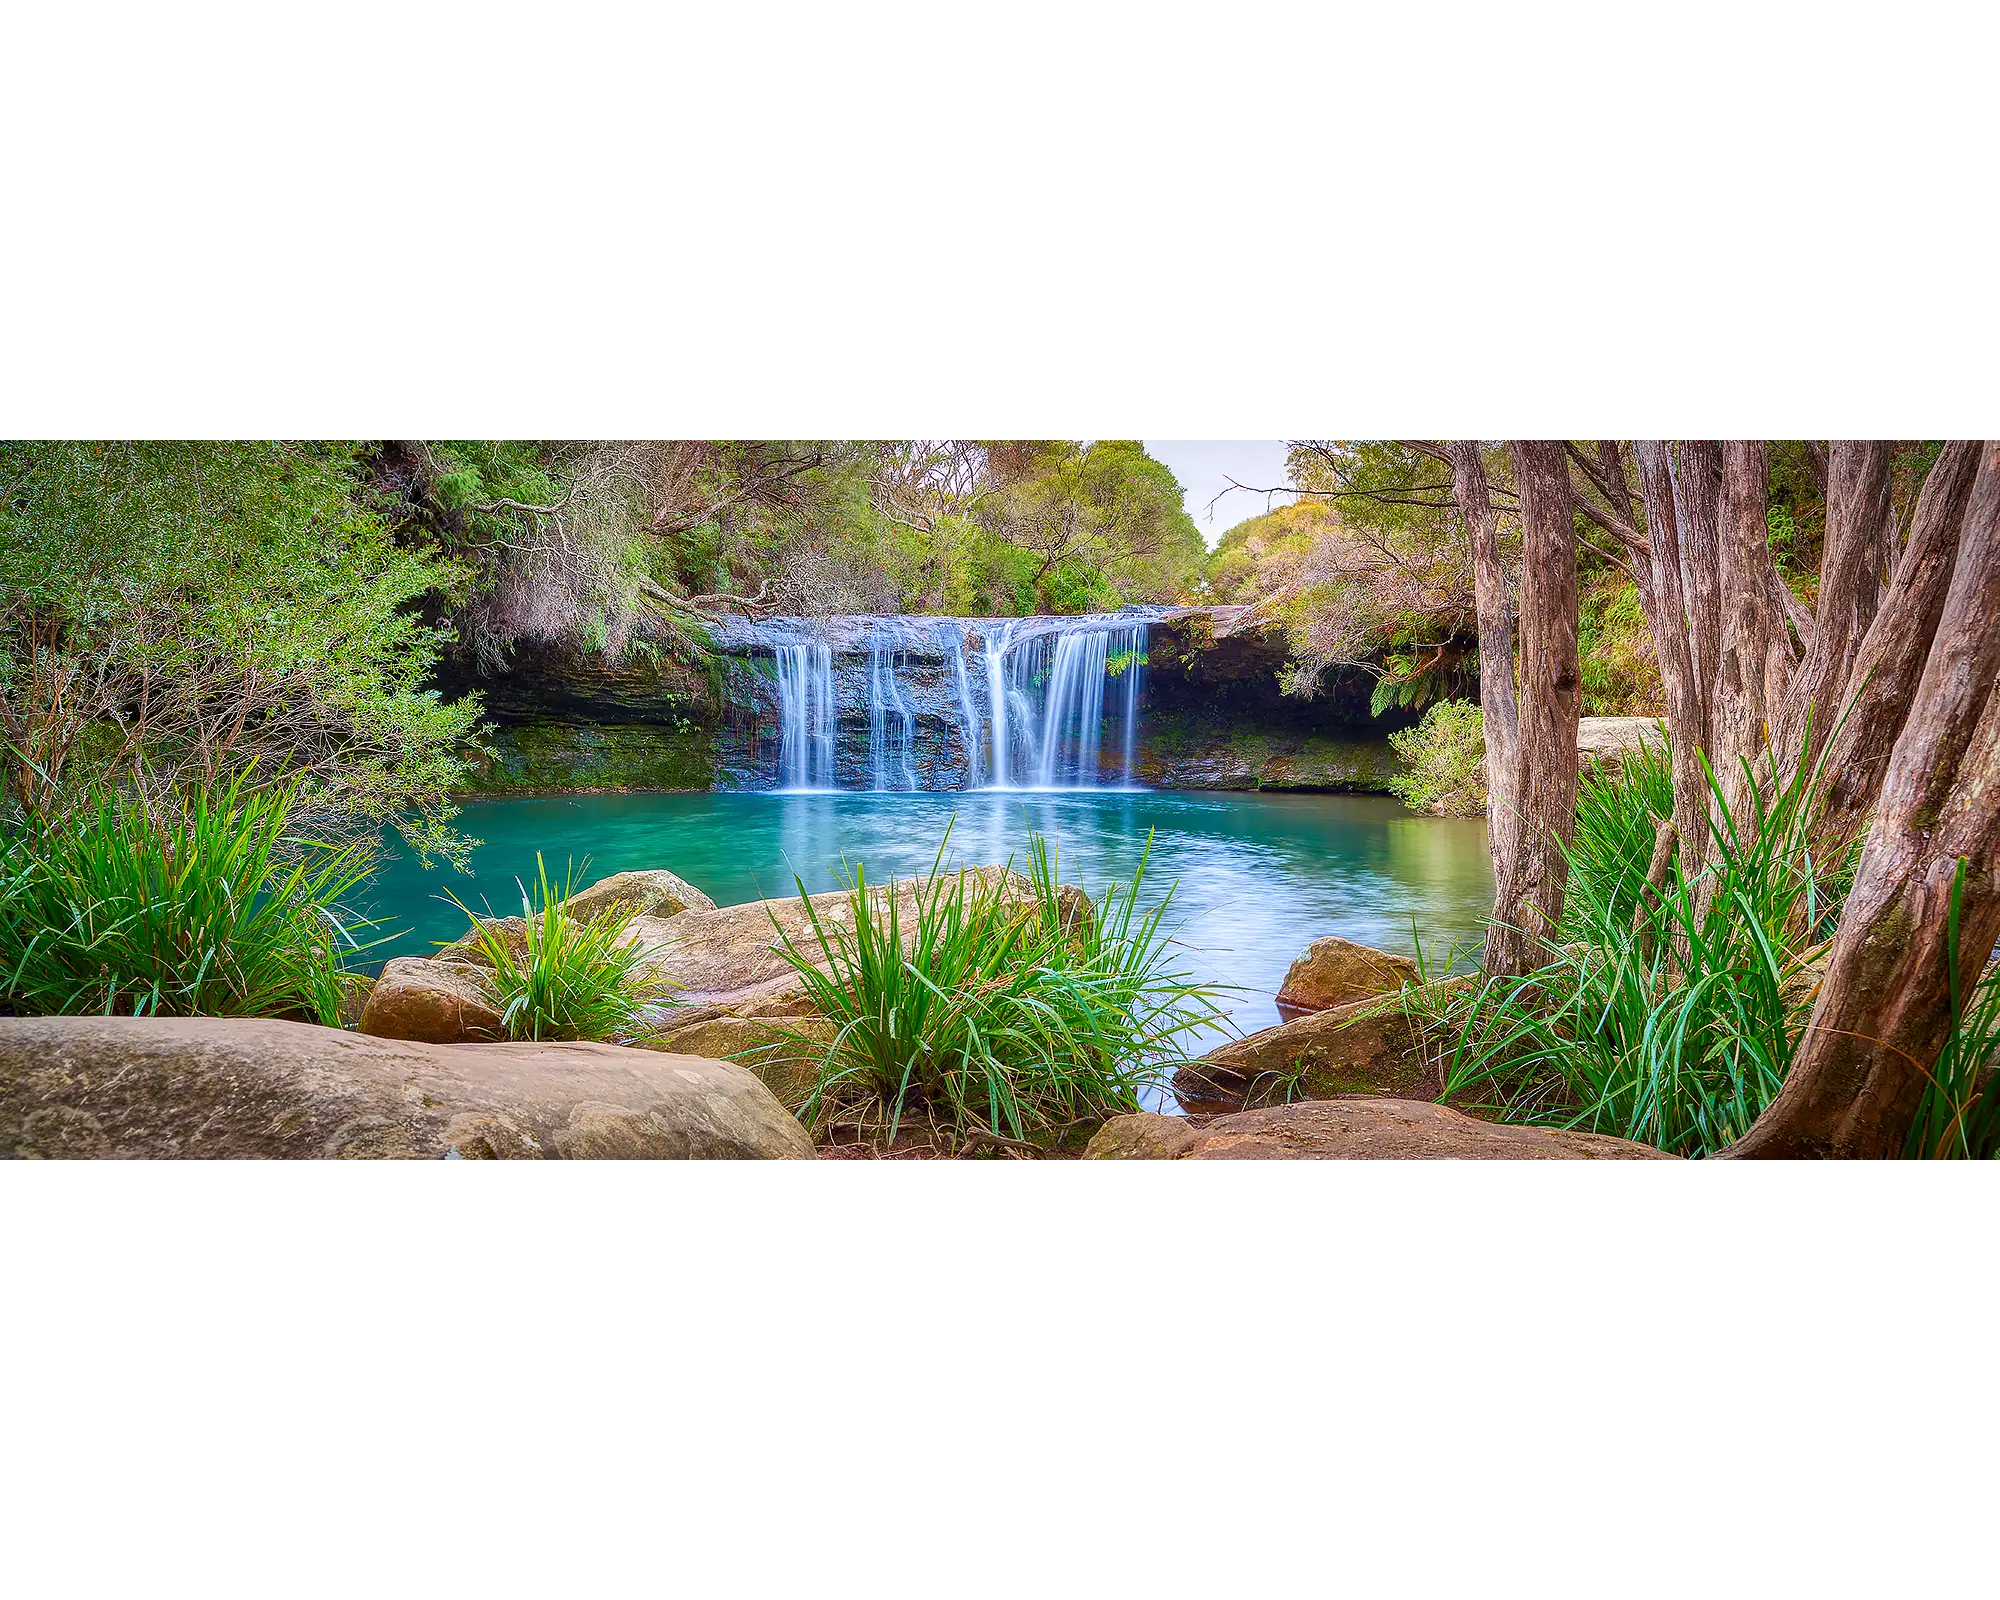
x: 1204, y: 467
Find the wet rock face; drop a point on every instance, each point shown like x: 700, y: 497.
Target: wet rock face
x: 207, y: 1087
x: 1351, y: 1130
x: 1212, y: 712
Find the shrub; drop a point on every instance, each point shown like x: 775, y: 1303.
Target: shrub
x: 201, y: 903
x: 571, y: 979
x: 1444, y: 757
x: 993, y: 1017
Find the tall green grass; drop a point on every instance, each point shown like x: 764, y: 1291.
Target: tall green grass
x: 569, y: 979
x: 1677, y: 1027
x: 202, y: 903
x: 984, y: 1015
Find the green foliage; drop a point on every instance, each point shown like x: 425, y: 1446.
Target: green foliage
x: 181, y: 610
x: 1444, y: 754
x: 1677, y: 1028
x: 1620, y: 675
x: 201, y: 903
x: 1618, y: 809
x: 571, y: 979
x: 994, y: 1014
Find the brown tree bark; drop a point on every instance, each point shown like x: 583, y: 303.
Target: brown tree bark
x: 1697, y: 475
x: 1756, y: 663
x: 1499, y: 710
x: 1858, y: 515
x: 1884, y: 1009
x: 1883, y: 677
x: 1667, y: 619
x: 1529, y: 902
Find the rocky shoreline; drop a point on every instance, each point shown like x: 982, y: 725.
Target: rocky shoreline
x: 720, y: 1071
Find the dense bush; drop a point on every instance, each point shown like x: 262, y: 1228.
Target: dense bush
x: 1444, y: 761
x: 995, y: 1015
x: 197, y: 903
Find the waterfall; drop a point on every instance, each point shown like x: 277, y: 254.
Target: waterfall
x: 995, y: 651
x: 884, y: 699
x: 1033, y: 712
x: 805, y: 705
x: 970, y: 727
x: 1076, y: 696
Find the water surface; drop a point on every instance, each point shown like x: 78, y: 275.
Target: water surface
x: 1259, y: 875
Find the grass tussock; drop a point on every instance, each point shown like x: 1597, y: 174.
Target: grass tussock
x: 199, y: 903
x: 1674, y: 1024
x: 567, y: 979
x: 981, y: 1012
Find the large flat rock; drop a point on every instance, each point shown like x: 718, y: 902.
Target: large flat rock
x: 252, y: 1087
x: 1351, y: 1129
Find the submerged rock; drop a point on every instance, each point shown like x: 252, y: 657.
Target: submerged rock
x: 254, y: 1087
x: 655, y: 892
x: 1334, y: 971
x: 434, y: 1002
x: 1367, y: 1046
x: 1352, y: 1129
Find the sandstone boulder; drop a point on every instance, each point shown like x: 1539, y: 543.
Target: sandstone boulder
x: 1357, y: 1129
x: 652, y: 893
x: 764, y: 1045
x: 1363, y: 1047
x: 251, y: 1087
x: 731, y: 958
x: 1334, y: 971
x: 434, y: 1002
x: 1612, y: 739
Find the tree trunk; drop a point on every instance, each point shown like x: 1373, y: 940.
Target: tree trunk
x: 1858, y: 514
x: 1697, y: 474
x: 1529, y: 902
x: 1498, y: 709
x: 1667, y: 619
x: 1884, y: 675
x: 1756, y: 662
x: 1884, y: 1010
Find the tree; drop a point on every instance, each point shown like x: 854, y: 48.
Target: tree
x: 1930, y: 870
x: 1529, y: 902
x: 1499, y: 711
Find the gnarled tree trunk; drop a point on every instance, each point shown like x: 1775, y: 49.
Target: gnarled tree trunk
x: 1697, y: 475
x: 1498, y: 708
x: 1884, y: 1009
x: 1529, y: 902
x: 1858, y: 518
x: 1886, y: 668
x: 1756, y: 662
x: 1667, y: 619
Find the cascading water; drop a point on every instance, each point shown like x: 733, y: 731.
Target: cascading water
x: 1037, y: 710
x: 885, y: 699
x: 805, y: 700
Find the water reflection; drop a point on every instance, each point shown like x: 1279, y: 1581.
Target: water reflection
x: 1259, y: 875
